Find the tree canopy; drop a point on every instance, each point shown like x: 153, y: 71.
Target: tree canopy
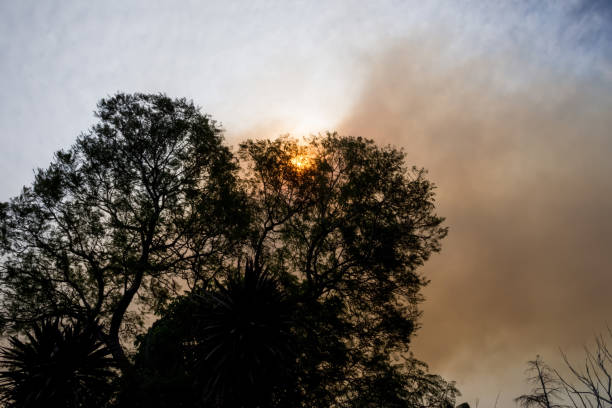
x: 143, y: 198
x: 300, y: 256
x: 345, y: 224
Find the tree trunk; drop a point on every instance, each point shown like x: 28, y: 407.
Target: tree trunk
x: 112, y: 339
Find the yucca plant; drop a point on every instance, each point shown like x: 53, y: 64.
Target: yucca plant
x: 244, y: 344
x: 55, y: 365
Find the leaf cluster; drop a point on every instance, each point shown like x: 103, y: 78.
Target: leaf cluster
x: 56, y: 365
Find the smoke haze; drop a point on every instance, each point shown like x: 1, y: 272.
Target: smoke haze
x: 522, y: 171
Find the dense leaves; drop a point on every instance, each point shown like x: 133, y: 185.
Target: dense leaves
x: 245, y: 343
x: 149, y: 212
x: 348, y: 229
x: 228, y: 345
x: 143, y: 198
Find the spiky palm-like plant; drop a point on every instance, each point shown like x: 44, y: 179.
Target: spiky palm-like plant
x: 55, y: 366
x: 244, y: 340
x: 228, y: 345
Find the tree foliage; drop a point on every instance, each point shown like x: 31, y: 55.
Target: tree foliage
x: 300, y: 261
x: 341, y: 226
x: 143, y: 198
x: 227, y: 345
x: 345, y: 224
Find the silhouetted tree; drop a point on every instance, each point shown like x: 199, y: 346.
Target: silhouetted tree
x: 340, y: 225
x: 163, y: 376
x: 227, y: 345
x: 586, y: 388
x: 55, y: 366
x: 244, y: 345
x: 546, y: 390
x: 591, y: 386
x: 150, y: 202
x: 143, y: 198
x: 345, y: 224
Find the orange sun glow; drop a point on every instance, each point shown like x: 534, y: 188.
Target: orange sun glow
x: 301, y: 162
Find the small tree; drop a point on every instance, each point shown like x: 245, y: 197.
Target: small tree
x: 591, y: 387
x: 57, y: 366
x: 587, y: 388
x: 547, y: 389
x: 225, y: 345
x: 144, y: 198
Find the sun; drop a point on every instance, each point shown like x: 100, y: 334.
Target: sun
x: 301, y: 162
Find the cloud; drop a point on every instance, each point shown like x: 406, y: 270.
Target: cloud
x: 521, y: 157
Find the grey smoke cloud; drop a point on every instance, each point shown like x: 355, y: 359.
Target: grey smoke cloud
x: 522, y: 164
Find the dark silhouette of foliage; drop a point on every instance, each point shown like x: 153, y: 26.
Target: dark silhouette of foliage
x: 56, y: 366
x: 149, y: 204
x: 145, y: 197
x: 227, y: 345
x: 342, y: 225
x: 244, y: 341
x: 163, y: 374
x: 345, y: 225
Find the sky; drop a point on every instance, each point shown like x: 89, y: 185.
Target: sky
x: 506, y: 103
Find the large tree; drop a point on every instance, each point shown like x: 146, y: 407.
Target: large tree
x: 346, y: 224
x: 341, y: 226
x: 149, y: 202
x: 145, y: 197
